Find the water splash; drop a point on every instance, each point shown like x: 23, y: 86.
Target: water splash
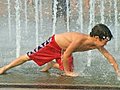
x: 118, y: 78
x: 26, y: 20
x: 54, y: 15
x: 9, y: 20
x: 68, y: 16
x: 91, y: 24
x: 80, y: 18
x: 55, y: 74
x: 113, y: 14
x: 116, y: 25
x: 102, y: 11
x: 18, y: 31
x: 110, y: 12
x: 36, y: 21
x: 41, y: 17
x: 85, y: 74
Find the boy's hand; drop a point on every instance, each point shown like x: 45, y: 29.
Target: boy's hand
x: 118, y: 73
x: 72, y: 74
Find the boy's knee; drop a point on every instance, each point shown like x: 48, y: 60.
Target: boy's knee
x: 25, y: 57
x: 56, y: 65
x: 28, y: 58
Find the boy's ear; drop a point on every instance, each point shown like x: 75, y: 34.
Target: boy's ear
x: 96, y: 37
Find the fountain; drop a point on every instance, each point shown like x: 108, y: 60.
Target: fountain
x: 26, y: 25
x: 18, y: 29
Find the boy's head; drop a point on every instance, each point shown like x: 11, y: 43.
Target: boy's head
x: 102, y: 31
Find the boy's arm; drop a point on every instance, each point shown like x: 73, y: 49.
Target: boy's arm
x: 110, y: 58
x: 66, y: 55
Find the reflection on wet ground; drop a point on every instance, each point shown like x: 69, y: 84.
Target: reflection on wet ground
x: 29, y: 76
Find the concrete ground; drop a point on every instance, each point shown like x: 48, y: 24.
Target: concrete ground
x: 22, y: 78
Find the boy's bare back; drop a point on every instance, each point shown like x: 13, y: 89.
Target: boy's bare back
x: 75, y: 40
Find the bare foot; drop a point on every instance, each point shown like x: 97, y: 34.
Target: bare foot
x: 44, y: 70
x: 2, y: 70
x: 47, y: 67
x: 72, y: 74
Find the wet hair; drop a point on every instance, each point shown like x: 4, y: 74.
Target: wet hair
x: 102, y: 31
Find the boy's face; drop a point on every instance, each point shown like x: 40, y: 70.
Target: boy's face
x: 100, y: 42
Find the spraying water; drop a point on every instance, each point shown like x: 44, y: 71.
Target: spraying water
x: 54, y: 15
x: 102, y: 11
x: 26, y: 20
x: 41, y: 17
x: 116, y: 25
x: 18, y: 31
x: 91, y: 24
x: 110, y: 10
x: 68, y: 15
x: 36, y: 21
x: 9, y: 19
x: 102, y: 14
x: 80, y: 18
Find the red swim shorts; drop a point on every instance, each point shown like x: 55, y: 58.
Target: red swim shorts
x: 48, y: 51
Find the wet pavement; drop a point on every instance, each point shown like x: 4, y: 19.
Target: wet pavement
x: 29, y: 77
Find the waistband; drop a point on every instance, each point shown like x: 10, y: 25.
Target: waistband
x: 57, y: 46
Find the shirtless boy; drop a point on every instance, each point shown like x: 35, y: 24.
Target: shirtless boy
x: 61, y: 47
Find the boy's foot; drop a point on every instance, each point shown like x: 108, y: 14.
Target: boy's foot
x: 47, y: 67
x: 43, y: 70
x: 72, y: 74
x: 2, y: 70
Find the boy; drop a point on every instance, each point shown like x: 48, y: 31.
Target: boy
x: 61, y: 47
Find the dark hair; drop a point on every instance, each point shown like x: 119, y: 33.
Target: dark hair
x: 102, y: 31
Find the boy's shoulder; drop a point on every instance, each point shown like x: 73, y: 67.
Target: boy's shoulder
x: 74, y: 34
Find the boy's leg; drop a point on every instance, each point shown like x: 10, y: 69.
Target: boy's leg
x: 50, y: 65
x: 56, y: 65
x: 18, y: 61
